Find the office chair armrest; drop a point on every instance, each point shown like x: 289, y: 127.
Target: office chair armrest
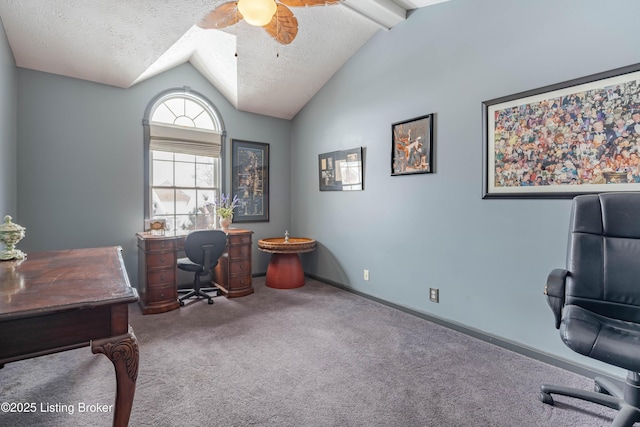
x: 554, y: 290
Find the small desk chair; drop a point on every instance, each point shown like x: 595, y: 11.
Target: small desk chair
x: 203, y: 249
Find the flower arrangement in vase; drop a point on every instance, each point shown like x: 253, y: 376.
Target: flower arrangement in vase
x: 224, y: 209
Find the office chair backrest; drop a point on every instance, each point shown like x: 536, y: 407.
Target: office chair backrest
x: 194, y: 242
x: 604, y: 255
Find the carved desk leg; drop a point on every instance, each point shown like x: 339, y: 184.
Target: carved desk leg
x: 123, y: 351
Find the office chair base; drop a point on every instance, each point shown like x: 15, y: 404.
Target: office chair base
x: 198, y: 294
x: 605, y: 393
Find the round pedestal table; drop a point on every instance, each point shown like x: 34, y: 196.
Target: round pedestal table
x: 285, y: 269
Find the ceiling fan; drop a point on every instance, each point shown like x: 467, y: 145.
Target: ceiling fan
x: 275, y: 17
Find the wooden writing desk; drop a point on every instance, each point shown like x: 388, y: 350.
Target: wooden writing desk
x: 61, y: 300
x: 157, y: 259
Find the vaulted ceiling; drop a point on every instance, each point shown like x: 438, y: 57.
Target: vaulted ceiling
x: 123, y: 43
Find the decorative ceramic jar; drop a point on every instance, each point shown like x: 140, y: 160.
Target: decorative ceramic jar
x: 10, y: 234
x: 226, y: 222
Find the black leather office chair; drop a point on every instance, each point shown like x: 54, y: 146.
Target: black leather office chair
x: 203, y: 249
x: 596, y: 300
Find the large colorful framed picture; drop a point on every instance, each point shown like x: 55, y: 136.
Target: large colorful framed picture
x: 250, y: 180
x: 558, y: 141
x: 412, y: 146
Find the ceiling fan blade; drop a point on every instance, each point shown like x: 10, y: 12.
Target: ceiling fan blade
x: 222, y: 16
x: 284, y: 26
x: 301, y: 3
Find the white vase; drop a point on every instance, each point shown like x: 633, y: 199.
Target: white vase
x: 226, y: 222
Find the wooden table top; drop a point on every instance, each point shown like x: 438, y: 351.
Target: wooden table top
x: 54, y: 281
x: 181, y: 234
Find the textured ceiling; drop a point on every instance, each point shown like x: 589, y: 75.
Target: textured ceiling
x: 122, y: 43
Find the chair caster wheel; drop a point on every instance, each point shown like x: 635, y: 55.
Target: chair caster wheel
x: 546, y: 398
x: 210, y: 301
x: 181, y: 303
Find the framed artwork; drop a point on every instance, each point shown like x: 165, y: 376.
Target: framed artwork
x: 577, y: 137
x: 250, y: 180
x: 341, y: 170
x: 155, y: 226
x: 412, y: 146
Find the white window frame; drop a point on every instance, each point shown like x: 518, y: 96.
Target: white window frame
x: 195, y: 130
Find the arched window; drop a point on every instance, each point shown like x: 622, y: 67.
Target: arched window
x: 184, y: 143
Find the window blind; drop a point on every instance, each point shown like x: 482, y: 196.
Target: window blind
x: 178, y: 139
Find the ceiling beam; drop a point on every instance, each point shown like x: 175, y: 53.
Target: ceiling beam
x: 385, y: 13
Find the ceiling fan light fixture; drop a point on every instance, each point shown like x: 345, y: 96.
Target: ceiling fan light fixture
x: 257, y: 12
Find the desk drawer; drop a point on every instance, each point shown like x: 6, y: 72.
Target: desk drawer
x: 239, y: 240
x: 159, y: 277
x: 162, y: 293
x: 239, y: 267
x: 161, y: 260
x: 239, y: 251
x: 160, y: 245
x: 239, y: 282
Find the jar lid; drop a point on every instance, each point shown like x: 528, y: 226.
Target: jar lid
x: 9, y: 226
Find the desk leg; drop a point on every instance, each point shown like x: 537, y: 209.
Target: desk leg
x: 123, y: 352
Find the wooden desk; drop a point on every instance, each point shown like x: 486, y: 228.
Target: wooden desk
x: 157, y: 259
x: 61, y: 300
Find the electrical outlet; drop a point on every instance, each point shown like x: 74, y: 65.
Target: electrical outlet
x: 434, y: 294
x: 366, y: 275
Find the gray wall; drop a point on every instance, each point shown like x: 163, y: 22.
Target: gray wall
x: 80, y: 160
x: 489, y: 258
x: 8, y: 138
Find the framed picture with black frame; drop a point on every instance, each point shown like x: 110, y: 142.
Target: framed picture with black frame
x: 341, y: 170
x: 576, y: 137
x: 250, y: 180
x: 412, y: 146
